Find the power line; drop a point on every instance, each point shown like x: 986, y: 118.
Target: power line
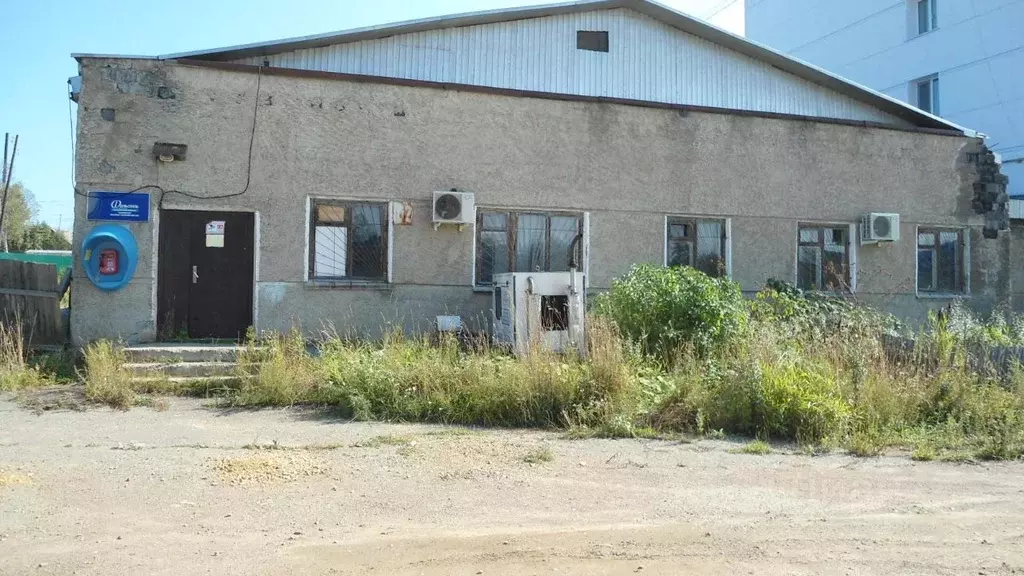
x: 716, y: 11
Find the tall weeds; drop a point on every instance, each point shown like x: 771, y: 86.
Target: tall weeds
x: 16, y: 370
x: 106, y: 379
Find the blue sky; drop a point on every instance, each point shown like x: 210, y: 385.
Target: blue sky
x: 39, y: 37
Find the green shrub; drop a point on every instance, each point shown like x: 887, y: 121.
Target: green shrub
x: 667, y: 310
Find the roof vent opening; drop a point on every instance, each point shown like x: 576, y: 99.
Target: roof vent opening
x: 595, y: 41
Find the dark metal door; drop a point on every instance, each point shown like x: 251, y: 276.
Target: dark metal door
x: 206, y: 273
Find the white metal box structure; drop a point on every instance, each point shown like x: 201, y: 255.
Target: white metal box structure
x: 543, y: 309
x: 877, y: 227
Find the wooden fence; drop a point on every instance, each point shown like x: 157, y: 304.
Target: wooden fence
x: 30, y: 294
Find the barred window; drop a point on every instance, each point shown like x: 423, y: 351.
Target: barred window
x: 940, y: 258
x: 510, y: 241
x: 696, y: 243
x: 823, y: 258
x: 348, y: 241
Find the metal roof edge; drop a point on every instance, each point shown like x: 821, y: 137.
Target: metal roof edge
x: 396, y: 28
x: 80, y: 55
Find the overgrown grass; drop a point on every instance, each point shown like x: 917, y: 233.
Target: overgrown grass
x: 539, y: 455
x: 757, y: 448
x: 21, y: 370
x: 107, y: 381
x: 817, y: 373
x: 401, y: 379
x: 824, y: 373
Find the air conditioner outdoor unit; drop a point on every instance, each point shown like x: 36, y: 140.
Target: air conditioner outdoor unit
x: 539, y: 309
x: 877, y: 227
x: 453, y: 208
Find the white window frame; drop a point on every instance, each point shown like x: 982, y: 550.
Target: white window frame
x: 965, y: 259
x: 389, y: 207
x: 932, y: 18
x: 727, y: 224
x: 934, y: 89
x: 851, y: 257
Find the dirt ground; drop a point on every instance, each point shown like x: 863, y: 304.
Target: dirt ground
x: 196, y: 490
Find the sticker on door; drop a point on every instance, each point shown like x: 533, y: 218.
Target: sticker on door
x: 215, y: 234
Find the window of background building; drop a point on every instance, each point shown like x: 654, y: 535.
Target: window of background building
x: 927, y: 16
x: 927, y: 94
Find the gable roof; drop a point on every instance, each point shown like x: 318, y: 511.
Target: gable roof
x: 659, y: 12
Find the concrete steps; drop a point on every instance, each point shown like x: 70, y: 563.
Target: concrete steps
x: 169, y: 353
x: 176, y: 366
x: 182, y: 369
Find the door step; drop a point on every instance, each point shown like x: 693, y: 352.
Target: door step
x: 168, y: 353
x: 182, y: 369
x: 178, y: 367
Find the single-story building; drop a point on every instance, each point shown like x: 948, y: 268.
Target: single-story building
x: 300, y: 182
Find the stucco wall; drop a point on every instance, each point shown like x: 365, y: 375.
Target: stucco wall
x: 627, y: 166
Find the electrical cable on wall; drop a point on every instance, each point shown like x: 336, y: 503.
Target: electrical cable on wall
x: 248, y: 168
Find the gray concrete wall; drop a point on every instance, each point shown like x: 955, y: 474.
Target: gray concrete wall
x: 627, y: 166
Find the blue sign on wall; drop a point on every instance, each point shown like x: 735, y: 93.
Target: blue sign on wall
x: 119, y: 207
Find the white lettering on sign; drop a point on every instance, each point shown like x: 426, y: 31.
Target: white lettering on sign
x: 119, y: 207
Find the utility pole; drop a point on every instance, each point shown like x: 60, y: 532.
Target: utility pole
x: 8, y: 169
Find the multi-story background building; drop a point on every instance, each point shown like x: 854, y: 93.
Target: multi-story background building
x: 959, y: 59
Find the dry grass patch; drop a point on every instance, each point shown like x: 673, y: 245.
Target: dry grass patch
x: 13, y: 479
x: 270, y: 468
x: 539, y: 455
x: 384, y: 440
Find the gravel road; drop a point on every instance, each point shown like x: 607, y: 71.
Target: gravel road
x: 197, y: 490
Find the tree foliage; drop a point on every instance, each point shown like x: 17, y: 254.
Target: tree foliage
x: 18, y: 227
x: 21, y: 209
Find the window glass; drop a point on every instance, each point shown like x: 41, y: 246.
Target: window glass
x: 697, y: 243
x: 809, y: 235
x: 527, y: 242
x: 330, y: 252
x: 492, y: 245
x: 823, y: 258
x: 367, y: 242
x: 923, y: 17
x: 710, y: 255
x: 948, y: 262
x: 926, y: 269
x: 531, y: 243
x: 563, y: 231
x: 939, y: 261
x: 809, y: 267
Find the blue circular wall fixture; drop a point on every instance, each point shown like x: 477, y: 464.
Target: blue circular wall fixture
x: 112, y: 240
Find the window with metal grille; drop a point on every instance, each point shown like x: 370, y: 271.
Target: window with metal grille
x: 823, y: 258
x: 696, y: 243
x: 940, y: 258
x: 595, y: 41
x: 524, y: 242
x: 348, y: 241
